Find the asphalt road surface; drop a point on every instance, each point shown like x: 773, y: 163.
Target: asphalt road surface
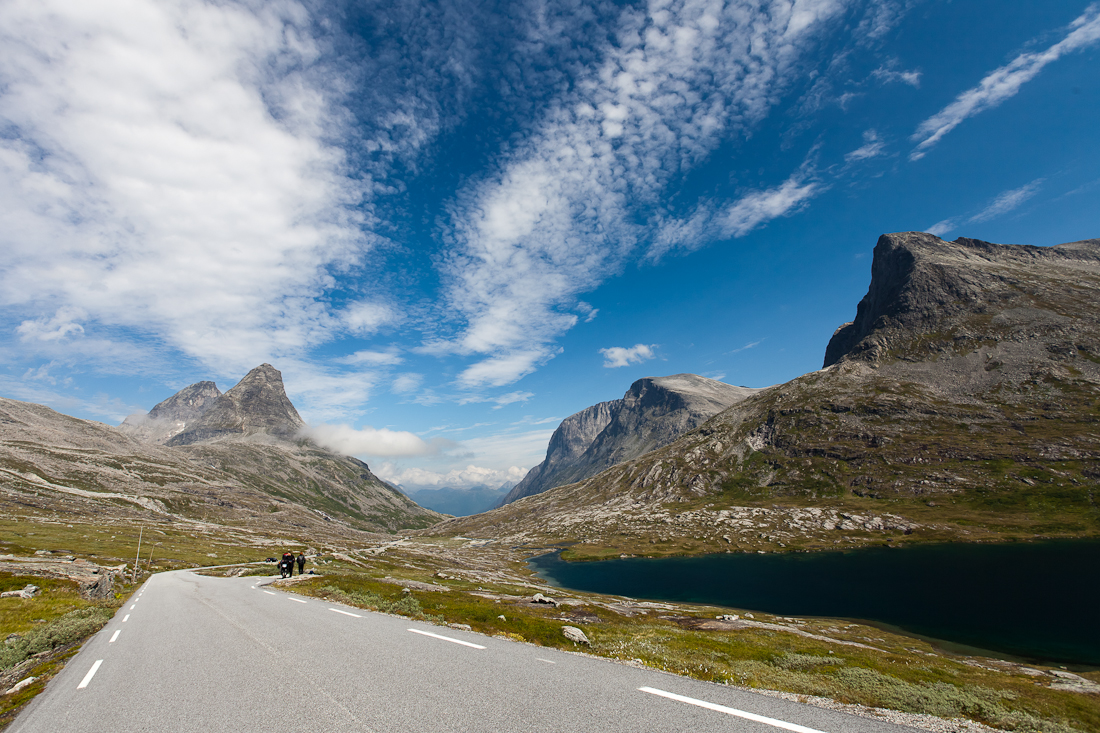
x: 194, y: 653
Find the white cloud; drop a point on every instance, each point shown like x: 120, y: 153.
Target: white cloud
x: 61, y: 325
x: 364, y: 318
x: 459, y: 478
x: 176, y: 171
x: 369, y: 441
x: 618, y: 356
x: 408, y: 382
x: 1002, y: 204
x: 942, y: 227
x: 1005, y: 82
x: 371, y: 358
x: 888, y: 75
x: 760, y: 207
x: 1007, y: 201
x: 554, y: 221
x: 500, y: 400
x: 872, y: 147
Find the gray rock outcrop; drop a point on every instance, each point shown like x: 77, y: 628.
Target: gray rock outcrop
x: 653, y: 413
x: 923, y: 288
x: 256, y: 405
x: 171, y: 417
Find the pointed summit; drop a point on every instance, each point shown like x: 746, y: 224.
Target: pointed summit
x: 171, y: 417
x: 257, y: 405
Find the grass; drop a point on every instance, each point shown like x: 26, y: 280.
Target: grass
x: 41, y: 633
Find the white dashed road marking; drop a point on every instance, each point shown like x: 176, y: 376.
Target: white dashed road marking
x: 297, y: 600
x: 346, y: 613
x: 446, y: 638
x: 117, y: 632
x: 269, y: 592
x: 91, y: 673
x: 545, y: 660
x: 125, y: 618
x: 731, y: 711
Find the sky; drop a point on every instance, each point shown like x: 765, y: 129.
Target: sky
x: 452, y: 224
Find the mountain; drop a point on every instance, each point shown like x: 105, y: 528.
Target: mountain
x: 169, y: 418
x: 653, y: 412
x: 458, y: 502
x: 257, y: 405
x: 233, y: 457
x: 961, y: 403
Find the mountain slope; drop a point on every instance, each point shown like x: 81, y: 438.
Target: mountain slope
x: 653, y: 412
x: 236, y: 461
x: 963, y: 402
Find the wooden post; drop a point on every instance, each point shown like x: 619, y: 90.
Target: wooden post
x: 137, y: 557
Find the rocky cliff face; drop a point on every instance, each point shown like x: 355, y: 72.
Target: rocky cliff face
x: 653, y: 412
x: 257, y: 405
x: 171, y: 417
x: 962, y: 403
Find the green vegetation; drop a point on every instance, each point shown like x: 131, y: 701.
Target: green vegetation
x: 40, y: 633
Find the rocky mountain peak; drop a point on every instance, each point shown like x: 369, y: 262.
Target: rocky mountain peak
x: 653, y: 412
x: 256, y: 405
x: 926, y: 292
x: 171, y: 417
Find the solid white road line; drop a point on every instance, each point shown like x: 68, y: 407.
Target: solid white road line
x: 446, y: 638
x: 731, y: 711
x: 269, y: 592
x: 115, y: 636
x: 346, y: 613
x: 125, y: 618
x: 297, y: 600
x: 91, y: 673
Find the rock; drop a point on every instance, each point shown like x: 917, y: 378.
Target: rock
x: 575, y: 635
x: 257, y: 404
x: 20, y: 685
x: 171, y: 417
x: 540, y: 598
x: 728, y: 617
x: 653, y: 413
x: 101, y: 588
x: 29, y: 591
x: 460, y: 627
x: 502, y: 618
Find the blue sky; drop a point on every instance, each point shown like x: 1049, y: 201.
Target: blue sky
x: 452, y: 224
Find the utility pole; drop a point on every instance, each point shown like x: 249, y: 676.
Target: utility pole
x: 137, y: 557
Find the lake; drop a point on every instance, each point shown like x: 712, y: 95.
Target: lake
x: 1035, y: 601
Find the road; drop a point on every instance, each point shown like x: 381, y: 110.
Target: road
x: 194, y: 653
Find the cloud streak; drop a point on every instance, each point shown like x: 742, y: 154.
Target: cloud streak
x: 555, y: 221
x: 1004, y: 83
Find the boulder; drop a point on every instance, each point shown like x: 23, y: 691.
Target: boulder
x: 575, y: 635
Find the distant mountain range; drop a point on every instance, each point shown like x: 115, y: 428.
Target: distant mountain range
x: 235, y: 457
x: 962, y: 402
x: 458, y: 502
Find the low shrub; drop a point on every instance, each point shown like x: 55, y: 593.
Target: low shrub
x: 71, y: 627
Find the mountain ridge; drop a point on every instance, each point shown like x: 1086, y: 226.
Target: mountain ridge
x: 960, y: 404
x: 653, y: 412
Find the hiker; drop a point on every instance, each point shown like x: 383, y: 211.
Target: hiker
x: 301, y: 563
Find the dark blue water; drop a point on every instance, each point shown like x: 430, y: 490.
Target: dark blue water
x: 1036, y: 601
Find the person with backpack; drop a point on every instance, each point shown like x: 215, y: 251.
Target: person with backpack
x: 301, y: 563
